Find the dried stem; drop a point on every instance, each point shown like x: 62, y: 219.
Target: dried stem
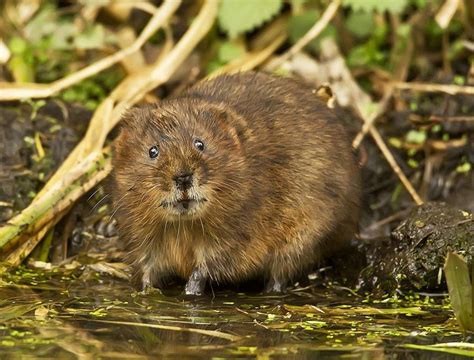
x: 370, y: 118
x: 369, y: 112
x: 446, y: 13
x: 393, y: 163
x: 423, y: 87
x: 55, y: 201
x: 317, y: 28
x: 10, y: 91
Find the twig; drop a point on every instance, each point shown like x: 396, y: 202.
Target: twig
x: 212, y: 333
x: 368, y: 118
x: 144, y: 6
x: 468, y: 45
x: 425, y: 87
x: 446, y: 13
x: 399, y: 74
x: 10, y: 91
x: 436, y: 118
x: 393, y: 163
x: 198, y: 29
x: 317, y: 28
x: 16, y: 257
x: 396, y: 216
x: 5, y: 53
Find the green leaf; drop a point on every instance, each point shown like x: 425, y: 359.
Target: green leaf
x: 460, y: 289
x: 395, y: 142
x: 464, y: 168
x: 416, y: 137
x: 239, y: 16
x: 394, y: 6
x: 360, y: 23
x: 17, y: 45
x: 229, y: 51
x: 22, y: 71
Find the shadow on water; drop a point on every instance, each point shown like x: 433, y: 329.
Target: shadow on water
x: 63, y: 315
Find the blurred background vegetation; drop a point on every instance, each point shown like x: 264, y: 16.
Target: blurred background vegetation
x: 401, y: 74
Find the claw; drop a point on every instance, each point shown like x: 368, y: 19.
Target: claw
x: 196, y: 283
x: 275, y: 286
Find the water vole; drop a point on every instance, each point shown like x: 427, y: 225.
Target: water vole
x: 242, y: 175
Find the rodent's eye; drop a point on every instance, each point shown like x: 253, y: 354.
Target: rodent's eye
x: 154, y: 151
x: 198, y: 144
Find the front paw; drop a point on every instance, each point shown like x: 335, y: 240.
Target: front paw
x: 196, y: 283
x: 275, y: 286
x: 149, y: 286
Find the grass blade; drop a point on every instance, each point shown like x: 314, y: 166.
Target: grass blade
x: 460, y: 289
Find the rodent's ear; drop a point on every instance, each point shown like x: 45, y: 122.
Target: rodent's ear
x: 220, y: 115
x: 229, y: 123
x: 130, y: 118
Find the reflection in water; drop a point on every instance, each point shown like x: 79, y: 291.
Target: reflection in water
x: 58, y: 316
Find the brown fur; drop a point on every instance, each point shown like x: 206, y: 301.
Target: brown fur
x: 277, y: 182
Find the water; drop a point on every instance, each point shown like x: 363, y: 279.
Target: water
x: 81, y: 314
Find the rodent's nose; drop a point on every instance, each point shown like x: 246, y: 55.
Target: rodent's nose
x: 183, y: 181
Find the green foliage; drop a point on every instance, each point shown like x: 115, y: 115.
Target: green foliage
x: 370, y: 53
x: 45, y: 49
x: 62, y: 33
x: 360, y: 23
x: 226, y: 52
x: 90, y: 92
x: 229, y: 51
x: 394, y: 6
x: 416, y: 137
x: 239, y: 16
x: 464, y: 168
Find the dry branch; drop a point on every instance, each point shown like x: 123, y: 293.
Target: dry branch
x: 369, y: 114
x: 446, y: 13
x: 10, y: 91
x: 425, y: 87
x: 58, y: 198
x: 315, y: 30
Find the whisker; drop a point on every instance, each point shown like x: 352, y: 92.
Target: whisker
x: 98, y: 203
x: 92, y: 195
